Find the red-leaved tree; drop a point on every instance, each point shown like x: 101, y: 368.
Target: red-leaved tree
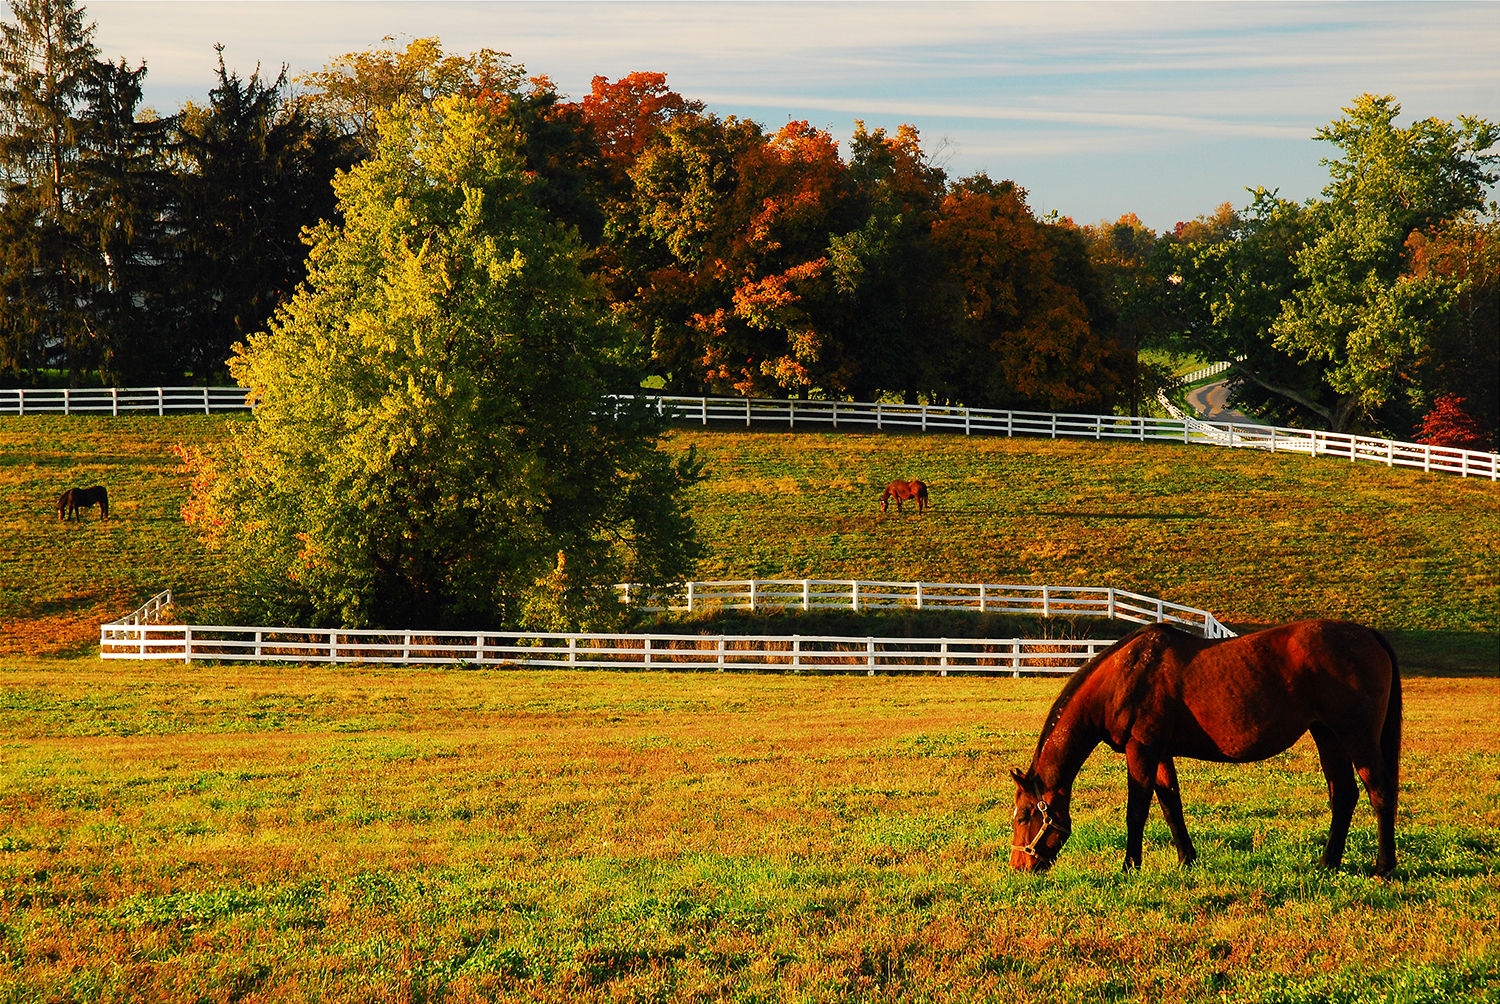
x: 1449, y: 424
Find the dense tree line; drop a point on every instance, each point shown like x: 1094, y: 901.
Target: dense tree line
x: 140, y: 247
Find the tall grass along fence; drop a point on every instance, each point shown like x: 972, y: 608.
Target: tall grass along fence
x: 981, y: 597
x: 140, y: 636
x: 855, y: 415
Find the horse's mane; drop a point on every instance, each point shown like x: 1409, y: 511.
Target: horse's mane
x: 1077, y: 680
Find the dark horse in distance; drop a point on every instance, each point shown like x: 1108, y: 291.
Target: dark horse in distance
x: 902, y: 491
x: 81, y: 498
x: 1161, y: 693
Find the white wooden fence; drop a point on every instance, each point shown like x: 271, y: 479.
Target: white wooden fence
x: 686, y: 652
x: 853, y: 414
x: 139, y: 636
x: 970, y: 421
x: 121, y: 400
x: 1212, y: 369
x: 847, y: 594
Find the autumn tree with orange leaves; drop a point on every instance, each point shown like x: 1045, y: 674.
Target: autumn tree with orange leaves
x: 1023, y: 336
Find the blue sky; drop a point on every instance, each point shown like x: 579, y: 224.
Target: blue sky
x: 1096, y: 109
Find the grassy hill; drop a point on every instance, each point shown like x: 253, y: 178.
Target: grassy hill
x: 1253, y: 537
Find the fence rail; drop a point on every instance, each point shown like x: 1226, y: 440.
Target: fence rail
x: 1212, y: 369
x: 721, y: 653
x: 855, y: 414
x: 986, y: 421
x: 847, y: 594
x: 121, y: 400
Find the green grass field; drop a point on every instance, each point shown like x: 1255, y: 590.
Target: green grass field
x: 303, y: 833
x: 289, y: 833
x: 1254, y: 538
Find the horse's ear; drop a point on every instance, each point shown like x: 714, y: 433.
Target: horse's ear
x: 1018, y: 777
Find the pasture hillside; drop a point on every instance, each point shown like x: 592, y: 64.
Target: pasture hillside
x: 312, y: 833
x: 1252, y: 537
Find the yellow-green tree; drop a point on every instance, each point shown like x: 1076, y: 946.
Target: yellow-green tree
x: 433, y: 443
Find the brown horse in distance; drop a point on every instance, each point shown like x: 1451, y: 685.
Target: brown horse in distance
x: 903, y: 491
x: 1161, y: 693
x: 81, y: 498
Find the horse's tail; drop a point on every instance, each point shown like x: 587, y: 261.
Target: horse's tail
x: 1390, y: 732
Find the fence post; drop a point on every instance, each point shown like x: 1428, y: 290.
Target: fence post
x: 187, y: 643
x: 966, y: 421
x: 806, y: 596
x: 870, y: 656
x: 572, y: 650
x: 720, y: 647
x: 258, y: 641
x: 835, y: 414
x: 796, y: 653
x: 1046, y: 603
x: 479, y: 648
x: 67, y: 401
x: 924, y: 418
x: 747, y: 413
x: 855, y: 594
x: 1427, y: 458
x: 21, y: 401
x: 406, y: 647
x: 705, y: 410
x: 1098, y: 427
x: 690, y: 597
x: 983, y: 598
x: 1390, y: 456
x: 648, y: 651
x: 114, y: 399
x: 943, y: 662
x: 877, y: 416
x: 1054, y: 425
x: 919, y: 596
x: 753, y: 596
x: 1015, y: 659
x: 791, y: 413
x: 161, y: 402
x: 205, y: 401
x: 1008, y: 430
x: 333, y: 646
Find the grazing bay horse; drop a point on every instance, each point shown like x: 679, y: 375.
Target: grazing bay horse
x: 903, y: 490
x: 81, y: 498
x: 1161, y: 693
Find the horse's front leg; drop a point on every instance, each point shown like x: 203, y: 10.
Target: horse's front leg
x: 1170, y: 797
x: 1141, y: 763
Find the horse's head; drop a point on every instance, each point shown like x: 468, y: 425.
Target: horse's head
x: 1042, y: 824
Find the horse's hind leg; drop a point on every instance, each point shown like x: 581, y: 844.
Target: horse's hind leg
x: 1343, y: 792
x: 1170, y: 798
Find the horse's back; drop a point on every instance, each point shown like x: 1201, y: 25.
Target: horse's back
x: 1252, y: 697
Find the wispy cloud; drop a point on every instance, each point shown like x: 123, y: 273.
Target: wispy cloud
x: 1247, y: 83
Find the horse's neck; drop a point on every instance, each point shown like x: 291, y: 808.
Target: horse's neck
x: 1067, y: 746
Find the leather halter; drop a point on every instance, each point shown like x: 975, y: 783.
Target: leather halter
x: 1049, y: 822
